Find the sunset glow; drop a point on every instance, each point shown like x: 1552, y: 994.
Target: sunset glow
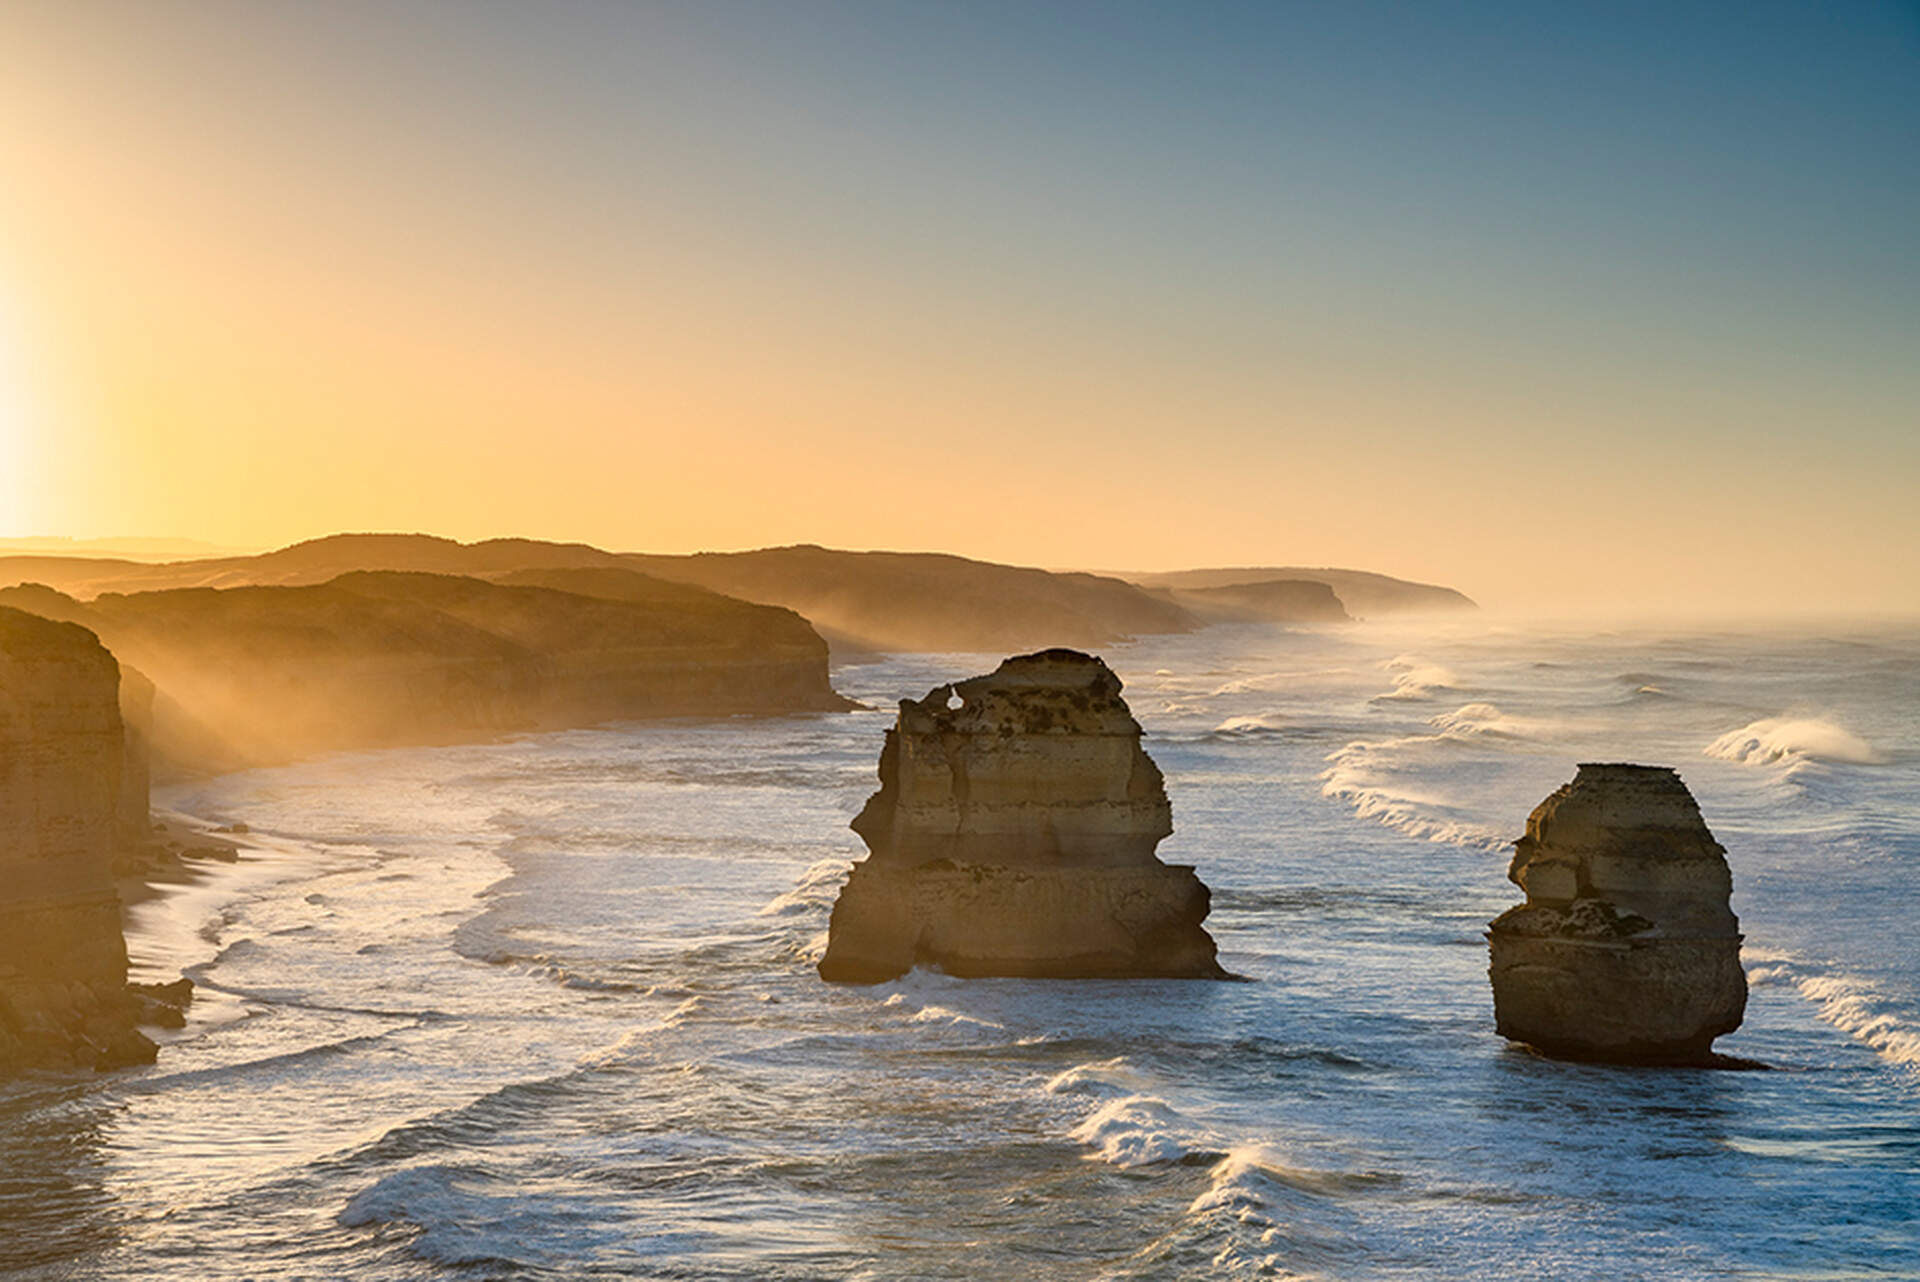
x: 675, y: 277
x: 1168, y: 640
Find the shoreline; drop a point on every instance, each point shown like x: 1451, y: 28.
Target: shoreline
x: 169, y: 891
x: 180, y: 853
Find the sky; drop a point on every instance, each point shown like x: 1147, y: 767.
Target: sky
x: 1608, y: 307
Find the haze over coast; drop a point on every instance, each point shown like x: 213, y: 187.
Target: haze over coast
x: 1021, y: 638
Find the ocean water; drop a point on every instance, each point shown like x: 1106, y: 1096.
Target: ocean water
x: 544, y: 1008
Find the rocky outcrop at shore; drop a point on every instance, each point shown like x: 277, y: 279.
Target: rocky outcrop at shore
x: 65, y: 796
x: 1626, y: 949
x: 254, y: 675
x: 1014, y: 834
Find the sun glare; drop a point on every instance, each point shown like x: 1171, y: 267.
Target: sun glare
x: 16, y: 426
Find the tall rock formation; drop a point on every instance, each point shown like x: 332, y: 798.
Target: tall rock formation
x: 63, y: 962
x: 1626, y: 949
x: 1014, y: 834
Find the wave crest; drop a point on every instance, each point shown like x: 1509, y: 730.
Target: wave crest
x: 1848, y: 1004
x: 1139, y: 1130
x: 1417, y: 679
x: 816, y: 890
x: 1361, y: 775
x: 1791, y: 740
x: 1483, y: 720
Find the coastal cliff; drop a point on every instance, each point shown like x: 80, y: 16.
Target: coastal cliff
x: 248, y: 676
x: 929, y: 602
x: 1014, y: 834
x: 862, y: 601
x: 1362, y: 593
x: 66, y: 800
x: 1627, y: 948
x: 1267, y: 601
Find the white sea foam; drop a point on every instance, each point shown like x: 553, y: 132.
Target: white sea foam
x: 1248, y: 1174
x: 952, y: 1018
x: 1417, y: 679
x: 1114, y: 1076
x: 1360, y: 775
x: 816, y: 889
x: 1486, y: 720
x: 1849, y: 1004
x: 934, y: 1013
x: 1791, y: 740
x: 1263, y: 724
x: 1138, y: 1130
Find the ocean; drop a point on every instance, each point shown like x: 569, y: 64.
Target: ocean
x: 545, y: 1007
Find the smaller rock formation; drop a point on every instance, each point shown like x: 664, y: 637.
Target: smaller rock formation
x: 1626, y: 949
x: 1014, y: 834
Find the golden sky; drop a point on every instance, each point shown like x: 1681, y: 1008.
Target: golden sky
x: 1567, y: 318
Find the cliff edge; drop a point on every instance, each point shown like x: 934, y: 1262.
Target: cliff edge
x: 254, y: 675
x: 64, y: 802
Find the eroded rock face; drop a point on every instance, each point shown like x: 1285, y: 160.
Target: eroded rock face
x: 1626, y: 948
x: 248, y: 676
x: 1014, y: 834
x: 63, y: 962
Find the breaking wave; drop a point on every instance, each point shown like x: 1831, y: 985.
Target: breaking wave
x: 1792, y: 740
x: 1359, y: 775
x: 1850, y: 1005
x: 1485, y: 720
x: 1254, y: 725
x: 1140, y: 1130
x: 815, y: 891
x: 1416, y: 679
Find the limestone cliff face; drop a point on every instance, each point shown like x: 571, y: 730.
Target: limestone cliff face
x: 1014, y: 834
x: 1626, y: 948
x: 1270, y: 601
x: 134, y: 828
x: 254, y: 675
x: 63, y: 961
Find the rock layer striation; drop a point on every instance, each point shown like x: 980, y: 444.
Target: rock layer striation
x: 1627, y: 948
x: 66, y: 796
x: 1014, y: 834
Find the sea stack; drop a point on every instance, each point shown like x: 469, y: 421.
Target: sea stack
x: 64, y: 800
x: 1014, y: 834
x: 1627, y: 949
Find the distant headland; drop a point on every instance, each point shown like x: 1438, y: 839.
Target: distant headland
x: 858, y: 601
x: 374, y: 640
